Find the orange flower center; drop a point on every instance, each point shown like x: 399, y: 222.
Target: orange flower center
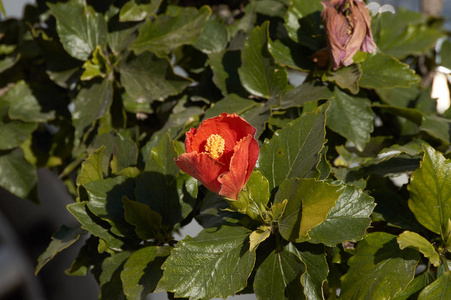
x: 215, y: 146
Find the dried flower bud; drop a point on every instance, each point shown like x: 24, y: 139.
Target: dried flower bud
x: 348, y: 29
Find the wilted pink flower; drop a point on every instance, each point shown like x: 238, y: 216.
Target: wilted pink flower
x: 348, y: 30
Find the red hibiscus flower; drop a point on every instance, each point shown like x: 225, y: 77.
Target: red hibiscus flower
x: 221, y: 154
x: 348, y: 30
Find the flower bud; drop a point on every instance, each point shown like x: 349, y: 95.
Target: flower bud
x: 348, y: 30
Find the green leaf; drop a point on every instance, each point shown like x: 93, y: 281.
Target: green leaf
x: 110, y: 280
x: 415, y: 286
x: 297, y: 10
x: 224, y: 66
x: 91, y: 168
x: 91, y: 104
x: 406, y: 33
x: 439, y: 289
x: 379, y: 269
x: 157, y: 185
x: 430, y: 192
x: 259, y: 74
x: 411, y: 114
x: 142, y: 271
x: 17, y: 175
x: 213, y: 38
x: 402, y: 97
x: 61, y: 239
x: 13, y: 132
x: 223, y: 252
x: 179, y: 26
x: 88, y: 221
x: 257, y: 237
x: 271, y: 8
x: 125, y: 153
x: 257, y: 188
x: 148, y: 78
x: 444, y: 50
x: 290, y: 54
x: 24, y: 106
x: 384, y: 71
x: 314, y: 259
x: 347, y: 220
x: 437, y: 127
x: 416, y: 241
x: 132, y: 11
x: 308, y: 91
x: 351, y: 117
x: 293, y: 150
x: 278, y: 277
x: 105, y: 201
x: 97, y: 66
x: 309, y: 203
x: 346, y: 78
x: 80, y: 28
x: 232, y: 103
x: 146, y: 221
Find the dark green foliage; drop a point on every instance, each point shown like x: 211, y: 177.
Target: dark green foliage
x: 103, y: 92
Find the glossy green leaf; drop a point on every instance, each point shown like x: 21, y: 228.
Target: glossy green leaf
x: 146, y: 221
x: 351, y: 117
x: 148, y: 78
x: 259, y: 74
x: 8, y: 62
x: 110, y: 280
x: 142, y: 271
x: 61, y: 239
x: 379, y: 269
x: 24, y: 106
x: 314, y: 259
x: 14, y: 132
x: 437, y: 127
x: 299, y: 9
x: 80, y: 28
x: 308, y: 91
x: 105, y: 201
x: 89, y: 222
x: 293, y: 150
x: 416, y: 241
x: 346, y: 77
x: 17, y: 175
x: 430, y: 192
x: 91, y: 104
x: 179, y: 26
x: 213, y: 38
x: 257, y: 237
x: 309, y: 203
x: 384, y: 71
x: 223, y: 252
x: 415, y: 286
x: 278, y: 277
x: 132, y: 11
x: 439, y: 289
x: 91, y: 168
x: 214, y: 211
x: 347, y: 220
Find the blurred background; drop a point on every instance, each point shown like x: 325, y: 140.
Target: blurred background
x: 26, y: 228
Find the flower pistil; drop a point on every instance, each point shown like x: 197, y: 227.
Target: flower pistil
x: 215, y: 146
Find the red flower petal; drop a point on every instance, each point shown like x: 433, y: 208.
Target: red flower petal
x: 241, y: 165
x: 203, y: 168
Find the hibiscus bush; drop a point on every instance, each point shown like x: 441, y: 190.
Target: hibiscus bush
x: 282, y: 127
